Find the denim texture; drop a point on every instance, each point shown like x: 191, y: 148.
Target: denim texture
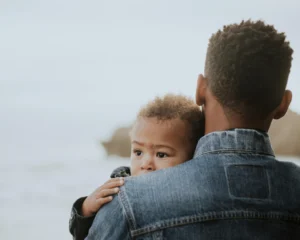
x: 233, y: 188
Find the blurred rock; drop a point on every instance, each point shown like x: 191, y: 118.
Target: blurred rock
x: 284, y: 134
x: 119, y: 144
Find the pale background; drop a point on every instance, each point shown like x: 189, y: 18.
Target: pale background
x: 72, y: 71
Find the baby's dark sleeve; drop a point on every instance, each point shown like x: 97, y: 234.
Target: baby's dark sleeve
x: 121, y: 172
x: 79, y: 225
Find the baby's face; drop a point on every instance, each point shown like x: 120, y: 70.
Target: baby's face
x: 158, y: 144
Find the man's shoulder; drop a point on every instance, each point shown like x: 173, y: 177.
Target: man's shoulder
x: 183, y: 184
x: 211, y: 184
x: 176, y: 173
x: 213, y: 175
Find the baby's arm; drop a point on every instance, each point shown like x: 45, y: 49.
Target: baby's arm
x: 79, y: 225
x: 84, y: 209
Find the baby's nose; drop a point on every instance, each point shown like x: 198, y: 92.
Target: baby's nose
x: 148, y: 164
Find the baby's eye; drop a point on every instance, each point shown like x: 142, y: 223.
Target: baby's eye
x: 161, y: 155
x: 137, y: 152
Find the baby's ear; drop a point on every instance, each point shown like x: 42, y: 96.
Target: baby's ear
x: 284, y: 105
x: 201, y: 90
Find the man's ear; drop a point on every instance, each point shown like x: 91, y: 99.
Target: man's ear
x: 284, y: 105
x: 201, y: 90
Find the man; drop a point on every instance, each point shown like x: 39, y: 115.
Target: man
x: 233, y: 188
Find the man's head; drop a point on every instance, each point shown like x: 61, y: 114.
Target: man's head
x: 246, y: 70
x: 165, y: 133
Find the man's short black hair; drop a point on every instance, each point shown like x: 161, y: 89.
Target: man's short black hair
x: 247, y: 67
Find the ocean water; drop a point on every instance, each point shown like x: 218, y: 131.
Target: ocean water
x: 36, y: 197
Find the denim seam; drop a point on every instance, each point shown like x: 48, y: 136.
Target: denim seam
x: 269, y: 181
x: 211, y: 216
x: 227, y: 151
x: 123, y: 199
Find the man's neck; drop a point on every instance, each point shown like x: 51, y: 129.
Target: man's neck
x: 217, y: 120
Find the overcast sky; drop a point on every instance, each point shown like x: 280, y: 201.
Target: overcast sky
x: 71, y: 71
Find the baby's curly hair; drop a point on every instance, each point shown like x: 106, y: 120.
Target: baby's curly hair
x: 173, y: 106
x: 247, y: 67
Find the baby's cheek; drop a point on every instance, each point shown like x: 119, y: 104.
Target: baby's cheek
x: 186, y: 155
x: 180, y: 159
x: 134, y: 168
x: 134, y: 172
x: 164, y: 163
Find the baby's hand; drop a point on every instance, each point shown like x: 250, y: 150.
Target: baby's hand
x: 101, y: 196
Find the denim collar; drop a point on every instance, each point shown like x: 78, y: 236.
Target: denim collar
x: 239, y: 139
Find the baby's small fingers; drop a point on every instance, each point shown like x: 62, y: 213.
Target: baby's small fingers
x: 114, y: 184
x: 102, y: 201
x: 107, y: 192
x: 112, y: 180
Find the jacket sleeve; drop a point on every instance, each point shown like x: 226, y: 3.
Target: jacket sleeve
x: 110, y: 223
x: 79, y: 225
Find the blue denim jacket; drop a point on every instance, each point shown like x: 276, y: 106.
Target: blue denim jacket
x: 233, y: 188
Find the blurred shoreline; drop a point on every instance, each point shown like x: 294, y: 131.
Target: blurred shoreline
x: 284, y: 135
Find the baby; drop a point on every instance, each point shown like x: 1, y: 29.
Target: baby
x: 165, y: 134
